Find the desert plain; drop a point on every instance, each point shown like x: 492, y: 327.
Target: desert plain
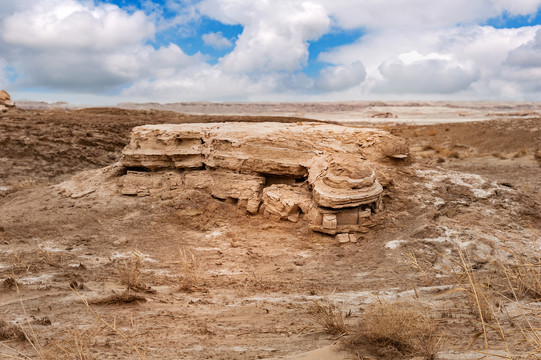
x: 448, y: 268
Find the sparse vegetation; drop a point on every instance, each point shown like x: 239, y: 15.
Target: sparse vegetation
x: 329, y: 316
x: 76, y: 342
x: 129, y: 271
x: 188, y: 268
x: 401, y: 329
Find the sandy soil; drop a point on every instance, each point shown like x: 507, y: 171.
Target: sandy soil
x: 249, y: 289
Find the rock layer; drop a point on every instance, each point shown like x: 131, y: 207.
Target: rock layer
x: 320, y: 173
x: 5, y: 100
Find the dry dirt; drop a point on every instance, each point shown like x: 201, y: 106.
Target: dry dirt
x: 207, y: 281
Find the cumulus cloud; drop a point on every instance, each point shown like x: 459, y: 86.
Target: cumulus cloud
x: 413, y: 73
x: 216, y: 40
x: 67, y: 24
x: 67, y: 44
x: 70, y: 45
x: 422, y: 14
x: 336, y: 78
x: 527, y: 55
x: 523, y: 65
x: 275, y: 35
x: 201, y: 82
x: 407, y: 47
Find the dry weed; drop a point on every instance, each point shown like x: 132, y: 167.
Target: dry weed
x: 479, y: 291
x: 111, y: 326
x: 49, y: 257
x: 328, y: 315
x: 11, y: 332
x: 78, y: 345
x: 522, y: 276
x: 423, y: 267
x: 188, y: 270
x: 129, y: 271
x: 402, y: 328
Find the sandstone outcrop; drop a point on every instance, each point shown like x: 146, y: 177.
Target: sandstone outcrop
x: 318, y: 173
x: 5, y: 101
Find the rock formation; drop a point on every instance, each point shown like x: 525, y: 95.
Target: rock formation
x: 318, y: 173
x: 5, y: 101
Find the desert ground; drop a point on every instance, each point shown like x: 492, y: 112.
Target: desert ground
x: 450, y: 270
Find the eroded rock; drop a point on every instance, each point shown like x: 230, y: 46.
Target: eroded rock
x: 321, y: 174
x: 5, y: 101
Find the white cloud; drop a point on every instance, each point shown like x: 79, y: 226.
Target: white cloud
x: 216, y: 40
x: 68, y: 24
x: 421, y: 14
x: 412, y: 73
x: 336, y: 78
x: 527, y: 55
x: 66, y: 44
x: 523, y: 65
x: 422, y: 47
x: 200, y: 82
x: 275, y: 35
x: 474, y: 52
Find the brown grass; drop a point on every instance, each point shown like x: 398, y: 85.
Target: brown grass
x: 500, y: 297
x: 328, y: 315
x: 129, y: 271
x: 189, y: 279
x: 404, y: 329
x: 78, y: 345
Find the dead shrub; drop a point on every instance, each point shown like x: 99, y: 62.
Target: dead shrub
x: 328, y: 315
x: 11, y: 332
x: 401, y: 328
x: 129, y: 271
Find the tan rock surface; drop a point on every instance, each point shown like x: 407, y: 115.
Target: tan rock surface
x: 5, y: 100
x: 282, y: 171
x: 271, y: 148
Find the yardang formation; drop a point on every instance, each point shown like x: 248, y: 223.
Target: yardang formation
x: 318, y: 173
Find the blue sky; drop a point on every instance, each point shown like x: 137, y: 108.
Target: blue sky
x: 108, y: 51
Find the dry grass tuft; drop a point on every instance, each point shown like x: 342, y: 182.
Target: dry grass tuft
x: 522, y: 276
x: 328, y: 315
x: 189, y: 278
x: 500, y: 297
x: 79, y: 345
x: 402, y: 328
x: 129, y: 271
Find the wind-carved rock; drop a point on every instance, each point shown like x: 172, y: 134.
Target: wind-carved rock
x: 5, y: 101
x: 321, y: 174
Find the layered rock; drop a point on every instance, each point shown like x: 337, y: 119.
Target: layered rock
x: 5, y: 101
x: 320, y: 173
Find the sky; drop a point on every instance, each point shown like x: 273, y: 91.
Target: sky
x: 109, y: 51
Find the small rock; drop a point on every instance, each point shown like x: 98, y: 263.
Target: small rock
x: 253, y: 206
x: 342, y: 238
x: 120, y: 242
